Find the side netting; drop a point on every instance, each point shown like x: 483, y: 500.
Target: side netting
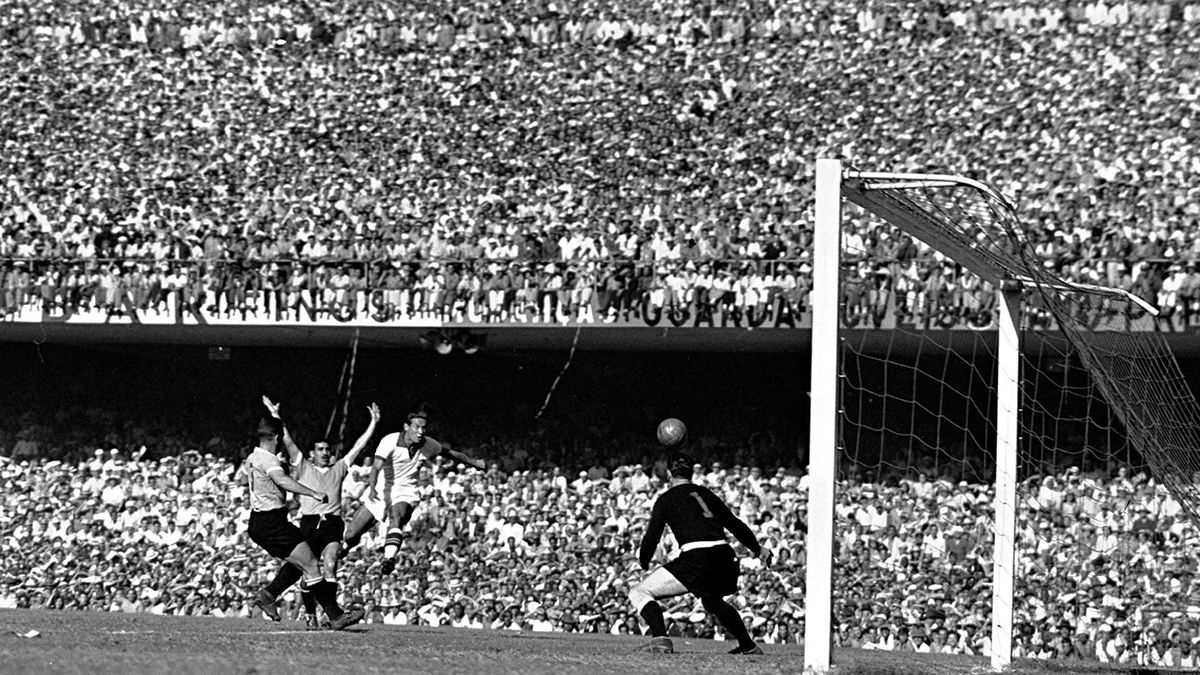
x: 1135, y: 369
x: 1107, y: 441
x: 1111, y: 334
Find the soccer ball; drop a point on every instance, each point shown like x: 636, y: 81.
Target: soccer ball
x: 671, y: 432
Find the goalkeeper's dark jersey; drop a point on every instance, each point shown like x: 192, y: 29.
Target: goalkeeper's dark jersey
x: 694, y: 514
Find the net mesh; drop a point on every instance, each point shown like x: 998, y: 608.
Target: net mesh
x: 1107, y: 432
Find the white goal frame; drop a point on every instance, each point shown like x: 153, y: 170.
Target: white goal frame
x: 833, y: 183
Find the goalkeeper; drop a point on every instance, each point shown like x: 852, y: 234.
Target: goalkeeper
x: 706, y: 566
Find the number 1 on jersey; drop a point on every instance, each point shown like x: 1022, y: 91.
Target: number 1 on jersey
x: 703, y: 507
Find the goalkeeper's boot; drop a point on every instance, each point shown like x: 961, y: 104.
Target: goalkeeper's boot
x: 347, y: 619
x: 750, y: 650
x: 659, y: 645
x: 266, y: 602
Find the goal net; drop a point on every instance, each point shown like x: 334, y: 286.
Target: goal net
x: 1014, y: 453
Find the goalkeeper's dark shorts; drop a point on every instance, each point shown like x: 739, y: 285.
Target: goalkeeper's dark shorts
x: 321, y: 531
x: 274, y: 532
x: 707, y: 571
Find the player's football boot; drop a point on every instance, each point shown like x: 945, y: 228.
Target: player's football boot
x: 752, y: 650
x: 389, y: 566
x: 347, y: 619
x: 659, y: 645
x: 266, y: 603
x: 310, y: 622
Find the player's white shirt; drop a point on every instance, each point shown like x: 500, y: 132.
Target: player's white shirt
x: 401, y: 465
x: 265, y: 495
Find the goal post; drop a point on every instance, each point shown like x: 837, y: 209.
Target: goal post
x: 1134, y: 401
x: 1008, y: 390
x: 824, y: 401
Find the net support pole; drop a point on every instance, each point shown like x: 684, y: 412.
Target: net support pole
x: 1008, y: 393
x: 823, y: 407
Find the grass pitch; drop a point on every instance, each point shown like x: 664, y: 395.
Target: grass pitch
x: 94, y: 642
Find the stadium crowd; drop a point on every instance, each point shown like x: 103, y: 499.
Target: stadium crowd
x: 534, y: 546
x: 577, y: 156
x: 551, y: 162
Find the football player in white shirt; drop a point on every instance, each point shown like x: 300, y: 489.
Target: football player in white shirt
x: 392, y: 485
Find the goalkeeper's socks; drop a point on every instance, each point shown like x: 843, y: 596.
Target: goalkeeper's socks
x: 730, y: 619
x: 652, y: 613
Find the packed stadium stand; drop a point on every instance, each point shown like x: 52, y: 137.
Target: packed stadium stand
x: 503, y: 154
x: 559, y: 162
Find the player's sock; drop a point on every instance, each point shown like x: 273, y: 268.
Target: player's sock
x: 349, y: 543
x: 287, y: 575
x: 391, y: 545
x: 730, y: 619
x: 653, y: 615
x: 325, y: 596
x: 310, y: 603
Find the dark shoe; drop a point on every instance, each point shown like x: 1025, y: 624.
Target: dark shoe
x: 659, y: 645
x: 266, y: 603
x: 347, y: 619
x: 752, y: 650
x: 389, y: 566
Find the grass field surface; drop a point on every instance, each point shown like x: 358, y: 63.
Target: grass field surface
x: 95, y: 642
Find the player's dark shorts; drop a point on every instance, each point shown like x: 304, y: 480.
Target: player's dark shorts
x: 320, y: 532
x: 274, y: 532
x: 707, y: 571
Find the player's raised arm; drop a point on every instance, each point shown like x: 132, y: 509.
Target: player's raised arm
x: 365, y: 438
x: 294, y: 454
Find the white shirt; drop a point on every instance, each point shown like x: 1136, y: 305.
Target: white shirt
x: 265, y: 495
x: 401, y: 464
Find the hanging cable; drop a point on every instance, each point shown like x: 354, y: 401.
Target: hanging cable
x: 554, y: 385
x: 349, y: 387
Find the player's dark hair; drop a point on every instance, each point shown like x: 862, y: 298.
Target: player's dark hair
x: 269, y: 428
x: 421, y: 410
x: 680, y: 465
